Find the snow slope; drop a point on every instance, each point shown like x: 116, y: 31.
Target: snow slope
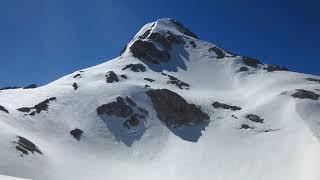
x: 285, y: 146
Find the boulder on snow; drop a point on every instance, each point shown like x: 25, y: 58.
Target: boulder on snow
x: 254, y: 118
x: 117, y: 108
x: 123, y: 76
x: 242, y: 69
x: 76, y: 133
x: 75, y: 86
x: 217, y: 104
x: 77, y: 76
x: 246, y: 126
x: 111, y: 77
x: 135, y: 67
x: 42, y: 106
x: 4, y: 109
x: 173, y: 110
x: 147, y: 51
x: 25, y: 146
x: 304, y: 94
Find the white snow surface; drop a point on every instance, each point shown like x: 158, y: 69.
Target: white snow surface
x: 284, y: 147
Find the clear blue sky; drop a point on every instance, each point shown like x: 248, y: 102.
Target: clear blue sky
x: 42, y: 40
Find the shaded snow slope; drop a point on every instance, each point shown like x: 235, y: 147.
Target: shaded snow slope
x: 271, y: 135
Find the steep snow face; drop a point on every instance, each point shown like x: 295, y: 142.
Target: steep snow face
x: 244, y: 119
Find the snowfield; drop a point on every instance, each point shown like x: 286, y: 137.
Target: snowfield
x: 272, y: 135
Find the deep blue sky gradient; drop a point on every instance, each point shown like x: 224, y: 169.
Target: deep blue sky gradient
x: 42, y: 40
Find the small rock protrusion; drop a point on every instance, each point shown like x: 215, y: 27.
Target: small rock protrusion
x: 149, y: 79
x: 123, y: 76
x: 76, y: 133
x: 304, y: 94
x: 75, y: 86
x: 217, y: 104
x: 4, y: 109
x: 31, y: 86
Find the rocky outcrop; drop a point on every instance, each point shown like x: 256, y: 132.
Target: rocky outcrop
x: 42, y: 106
x: 193, y: 44
x: 31, y: 86
x: 175, y: 81
x: 254, y: 118
x: 251, y: 61
x: 183, y: 29
x: 272, y: 68
x: 147, y: 51
x: 4, y: 109
x: 304, y: 94
x: 77, y: 76
x: 76, y: 133
x: 25, y: 146
x: 219, y: 53
x: 313, y: 80
x: 130, y: 101
x: 149, y: 79
x: 166, y: 40
x: 219, y: 105
x: 173, y: 110
x: 10, y: 87
x: 117, y: 108
x: 246, y: 126
x: 111, y: 77
x: 135, y: 67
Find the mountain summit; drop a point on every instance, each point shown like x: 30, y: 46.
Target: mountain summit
x: 171, y: 106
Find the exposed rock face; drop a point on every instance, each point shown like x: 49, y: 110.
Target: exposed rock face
x: 25, y: 146
x: 31, y: 86
x: 166, y: 40
x: 175, y: 81
x: 254, y: 118
x: 313, y: 79
x: 149, y: 79
x: 42, y: 106
x: 251, y: 61
x: 111, y: 77
x: 75, y: 86
x: 149, y: 52
x: 173, y: 110
x: 130, y: 101
x: 76, y: 133
x: 133, y: 121
x: 272, y: 68
x: 135, y: 67
x: 304, y: 94
x: 4, y: 109
x: 220, y: 54
x: 183, y: 29
x: 10, y: 87
x: 225, y: 106
x: 117, y: 108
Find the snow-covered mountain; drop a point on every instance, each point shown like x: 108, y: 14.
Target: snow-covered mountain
x: 171, y: 106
